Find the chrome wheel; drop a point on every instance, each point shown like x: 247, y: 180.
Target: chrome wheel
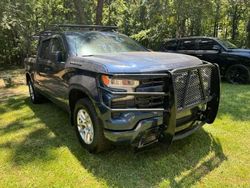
x: 85, y: 126
x: 31, y: 91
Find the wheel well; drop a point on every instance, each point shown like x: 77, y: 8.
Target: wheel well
x: 74, y: 96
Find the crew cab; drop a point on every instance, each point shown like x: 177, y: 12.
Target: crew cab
x: 234, y: 63
x: 117, y: 91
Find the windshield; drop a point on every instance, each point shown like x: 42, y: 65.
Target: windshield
x: 93, y: 43
x: 228, y: 44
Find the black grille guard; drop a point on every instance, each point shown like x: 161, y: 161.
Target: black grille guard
x: 170, y: 99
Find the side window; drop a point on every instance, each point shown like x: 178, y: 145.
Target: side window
x: 171, y: 45
x: 56, y: 46
x: 207, y: 44
x: 187, y: 44
x: 44, y: 51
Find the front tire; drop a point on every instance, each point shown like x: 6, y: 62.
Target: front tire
x: 238, y: 74
x: 88, y: 127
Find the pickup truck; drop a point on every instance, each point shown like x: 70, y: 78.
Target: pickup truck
x: 117, y: 91
x: 234, y: 62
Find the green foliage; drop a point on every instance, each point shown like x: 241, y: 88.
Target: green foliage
x: 148, y: 21
x: 152, y: 21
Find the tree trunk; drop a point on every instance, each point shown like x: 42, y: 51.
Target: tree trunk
x: 191, y: 30
x: 109, y: 14
x: 99, y: 12
x: 248, y: 34
x: 180, y: 19
x: 79, y: 11
x: 234, y: 22
x: 217, y: 18
x: 215, y: 29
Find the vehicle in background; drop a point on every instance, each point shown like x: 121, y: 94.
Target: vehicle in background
x: 115, y: 90
x: 234, y: 63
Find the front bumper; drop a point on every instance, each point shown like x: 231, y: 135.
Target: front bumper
x: 148, y: 131
x: 171, y: 121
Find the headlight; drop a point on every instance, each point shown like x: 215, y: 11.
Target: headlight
x: 126, y: 84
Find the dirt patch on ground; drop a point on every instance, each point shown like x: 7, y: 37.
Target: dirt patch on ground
x: 2, y: 83
x: 6, y: 93
x: 12, y: 83
x: 9, y: 78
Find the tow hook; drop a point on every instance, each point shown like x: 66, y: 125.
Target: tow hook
x: 201, y: 116
x: 147, y: 138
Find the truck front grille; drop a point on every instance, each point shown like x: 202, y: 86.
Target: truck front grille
x: 147, y: 85
x: 192, y: 86
x: 150, y: 85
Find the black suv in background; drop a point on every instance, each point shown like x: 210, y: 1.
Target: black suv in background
x: 234, y: 63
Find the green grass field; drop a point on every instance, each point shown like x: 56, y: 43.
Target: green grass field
x: 38, y: 148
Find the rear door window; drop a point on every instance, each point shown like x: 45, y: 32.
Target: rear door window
x: 207, y: 44
x: 171, y: 45
x: 187, y: 44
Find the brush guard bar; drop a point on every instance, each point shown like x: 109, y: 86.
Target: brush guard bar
x: 171, y: 105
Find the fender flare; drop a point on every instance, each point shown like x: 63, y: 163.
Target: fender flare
x: 86, y: 92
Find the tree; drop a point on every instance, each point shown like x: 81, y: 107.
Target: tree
x: 80, y: 16
x: 150, y: 22
x: 248, y: 34
x: 217, y: 17
x: 99, y: 10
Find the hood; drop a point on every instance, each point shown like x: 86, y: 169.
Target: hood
x: 240, y: 51
x: 127, y: 62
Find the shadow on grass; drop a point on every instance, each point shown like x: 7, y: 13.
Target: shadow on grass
x: 12, y: 102
x: 182, y: 165
x: 14, y: 126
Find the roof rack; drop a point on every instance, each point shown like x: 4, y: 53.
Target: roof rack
x: 88, y: 27
x: 57, y: 28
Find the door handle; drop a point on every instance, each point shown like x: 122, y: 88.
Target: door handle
x: 199, y: 55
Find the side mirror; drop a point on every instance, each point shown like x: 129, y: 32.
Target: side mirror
x: 57, y: 56
x: 217, y: 48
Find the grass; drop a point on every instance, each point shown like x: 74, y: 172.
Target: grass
x: 38, y: 148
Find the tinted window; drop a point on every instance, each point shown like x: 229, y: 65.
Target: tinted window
x: 56, y: 46
x: 207, y: 44
x: 187, y: 44
x: 171, y: 45
x: 228, y: 44
x: 44, y: 52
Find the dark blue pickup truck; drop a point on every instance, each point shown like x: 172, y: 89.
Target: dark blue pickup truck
x: 117, y: 91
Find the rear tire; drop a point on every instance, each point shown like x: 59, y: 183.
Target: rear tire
x: 35, y: 97
x: 88, y: 127
x: 238, y: 74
